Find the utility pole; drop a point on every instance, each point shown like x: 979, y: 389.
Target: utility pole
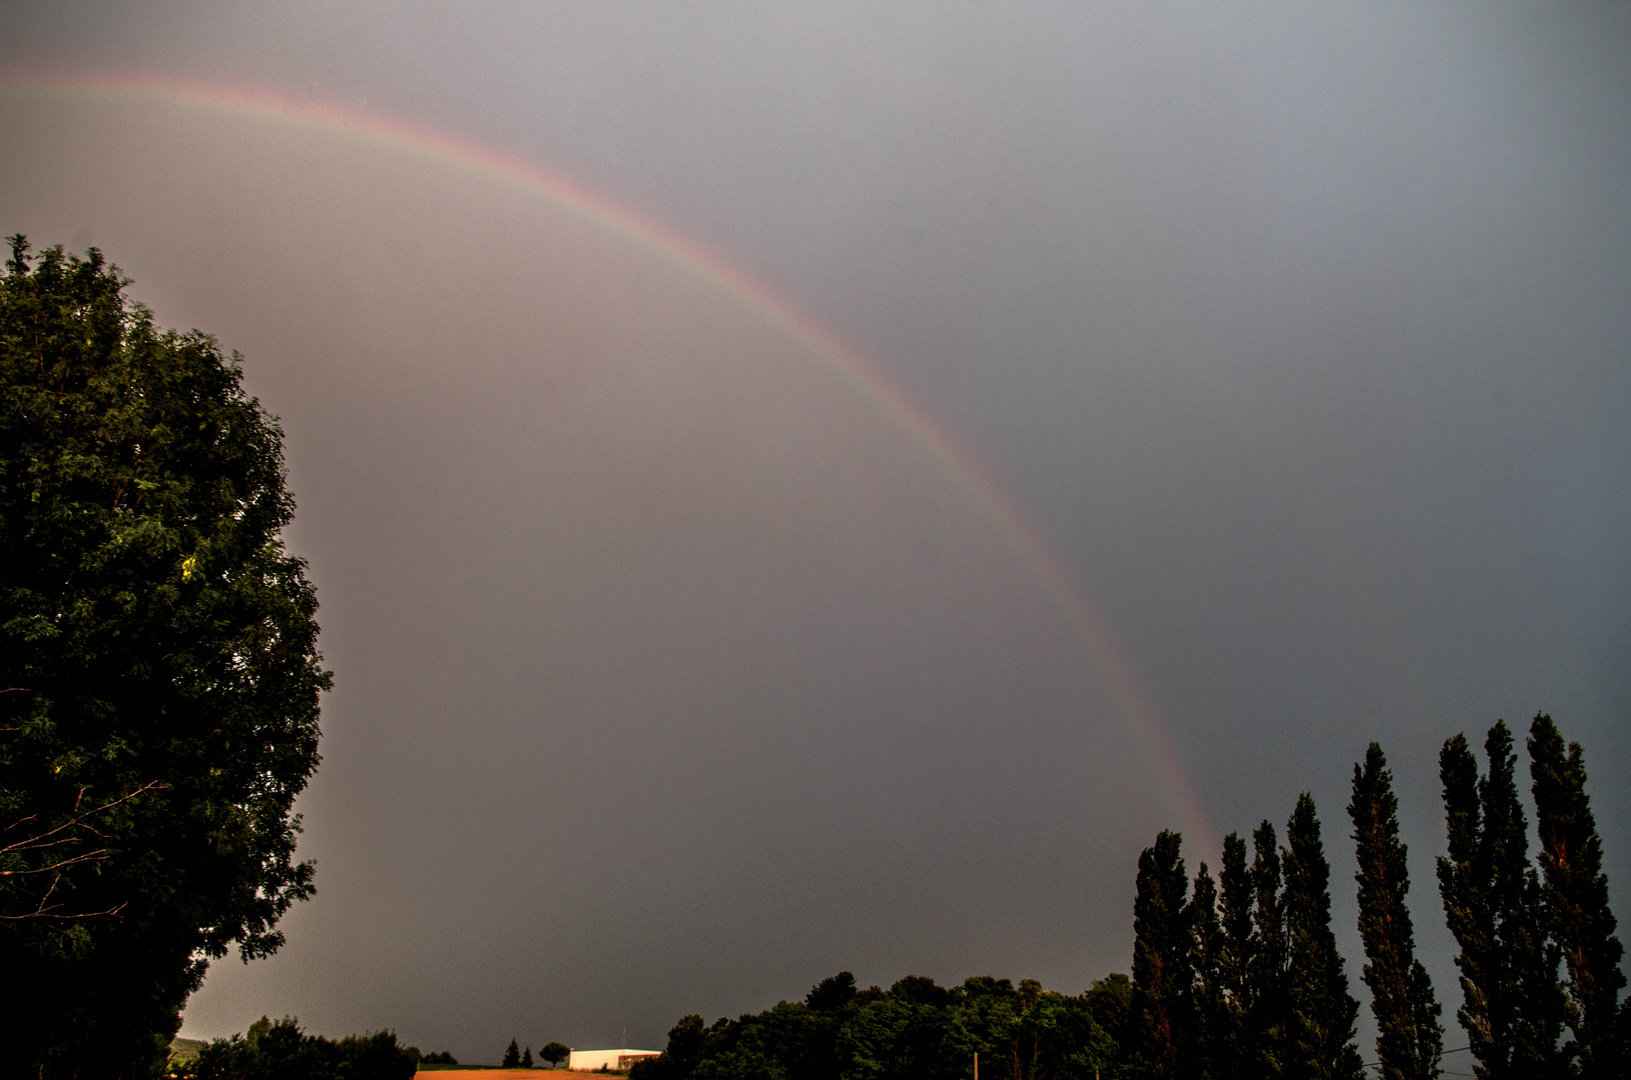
x: 976, y: 1065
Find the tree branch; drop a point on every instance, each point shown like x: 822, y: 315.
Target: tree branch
x: 70, y: 831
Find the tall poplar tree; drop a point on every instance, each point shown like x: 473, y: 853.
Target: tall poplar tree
x: 1463, y: 885
x: 1321, y: 1044
x: 1576, y: 892
x: 1205, y: 951
x: 1512, y: 1005
x: 1409, y: 1037
x: 1268, y: 1018
x: 1161, y: 959
x: 1234, y: 957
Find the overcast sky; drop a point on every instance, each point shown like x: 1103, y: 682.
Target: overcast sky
x: 674, y: 674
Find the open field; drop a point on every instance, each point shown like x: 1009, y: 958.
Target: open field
x: 468, y: 1072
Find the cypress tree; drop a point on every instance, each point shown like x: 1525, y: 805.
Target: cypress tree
x: 1205, y: 948
x: 1512, y: 1006
x: 1576, y: 892
x: 1321, y: 1044
x: 1234, y: 958
x: 1161, y: 958
x: 1268, y: 1017
x: 1409, y: 1037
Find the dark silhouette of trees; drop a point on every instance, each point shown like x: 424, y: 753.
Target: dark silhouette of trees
x: 1239, y: 978
x: 1409, y: 1037
x: 158, y: 665
x: 1512, y: 1006
x: 1267, y: 1001
x: 1321, y: 1044
x: 1110, y: 1002
x: 554, y: 1053
x: 280, y: 1050
x: 1268, y: 1016
x: 512, y: 1056
x: 1236, y: 948
x: 915, y: 1030
x: 1576, y: 902
x: 1209, y: 1005
x: 1162, y: 968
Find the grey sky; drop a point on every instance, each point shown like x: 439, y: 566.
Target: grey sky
x: 671, y: 674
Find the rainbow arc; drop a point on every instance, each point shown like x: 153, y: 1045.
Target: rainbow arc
x: 567, y: 194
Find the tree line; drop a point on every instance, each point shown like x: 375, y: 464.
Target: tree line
x: 1238, y: 977
x: 280, y: 1050
x: 916, y: 1028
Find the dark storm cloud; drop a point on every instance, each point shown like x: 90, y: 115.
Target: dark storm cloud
x: 669, y: 677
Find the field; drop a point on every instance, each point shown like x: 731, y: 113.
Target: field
x: 489, y: 1072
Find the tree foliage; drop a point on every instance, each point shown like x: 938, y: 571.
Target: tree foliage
x: 158, y: 665
x: 280, y: 1050
x: 1162, y: 959
x: 1322, y: 1011
x: 1512, y: 1006
x: 1249, y: 983
x: 1409, y: 1037
x: 1236, y: 947
x: 1576, y: 902
x: 1210, y: 1008
x: 916, y: 1029
x: 1239, y: 978
x: 1268, y: 1015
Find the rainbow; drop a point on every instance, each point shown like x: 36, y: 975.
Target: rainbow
x: 567, y: 194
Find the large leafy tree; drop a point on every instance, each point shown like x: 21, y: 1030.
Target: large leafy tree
x: 1576, y: 891
x: 1321, y: 1044
x: 1512, y: 1006
x: 1409, y: 1037
x: 159, y: 667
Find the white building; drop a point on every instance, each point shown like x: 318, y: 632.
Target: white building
x: 608, y: 1060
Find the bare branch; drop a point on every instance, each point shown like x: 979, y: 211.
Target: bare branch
x: 46, y: 910
x: 71, y: 831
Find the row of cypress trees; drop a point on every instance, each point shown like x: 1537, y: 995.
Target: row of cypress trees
x: 1240, y: 977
